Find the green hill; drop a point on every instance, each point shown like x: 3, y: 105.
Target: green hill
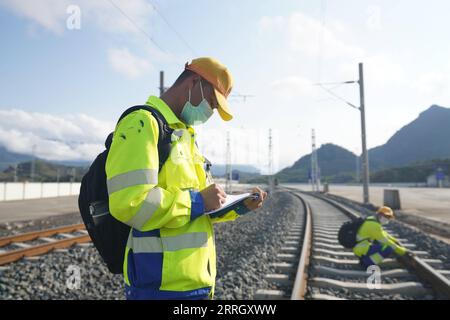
x: 417, y: 172
x: 336, y: 164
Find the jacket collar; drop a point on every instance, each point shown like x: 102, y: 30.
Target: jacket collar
x: 165, y: 110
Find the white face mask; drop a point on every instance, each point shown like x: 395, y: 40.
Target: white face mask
x: 383, y: 220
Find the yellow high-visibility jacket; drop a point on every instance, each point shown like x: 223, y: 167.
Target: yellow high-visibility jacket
x: 170, y: 251
x: 370, y: 231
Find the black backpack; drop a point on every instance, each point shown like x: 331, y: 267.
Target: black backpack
x: 108, y: 234
x: 347, y: 233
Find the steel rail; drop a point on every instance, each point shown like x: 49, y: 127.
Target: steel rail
x: 14, y: 255
x: 301, y: 277
x: 37, y: 234
x: 40, y: 249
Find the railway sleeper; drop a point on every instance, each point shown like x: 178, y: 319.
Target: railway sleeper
x: 280, y: 279
x: 268, y: 294
x: 414, y: 289
x: 351, y: 254
x: 356, y: 274
x: 283, y: 267
x: 287, y: 257
x: 435, y: 263
x: 322, y: 296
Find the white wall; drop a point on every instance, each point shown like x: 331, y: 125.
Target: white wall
x: 36, y: 190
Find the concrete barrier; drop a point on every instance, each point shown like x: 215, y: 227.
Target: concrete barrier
x: 392, y: 198
x: 37, y: 190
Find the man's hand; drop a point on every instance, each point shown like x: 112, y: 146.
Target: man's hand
x: 213, y: 197
x: 253, y: 204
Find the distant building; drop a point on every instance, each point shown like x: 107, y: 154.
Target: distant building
x: 432, y: 181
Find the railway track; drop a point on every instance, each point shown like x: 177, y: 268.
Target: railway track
x: 313, y: 265
x: 31, y: 244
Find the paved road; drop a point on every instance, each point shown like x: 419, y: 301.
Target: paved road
x: 431, y: 203
x: 37, y: 208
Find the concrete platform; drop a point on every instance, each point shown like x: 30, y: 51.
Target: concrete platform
x: 19, y: 210
x: 430, y: 203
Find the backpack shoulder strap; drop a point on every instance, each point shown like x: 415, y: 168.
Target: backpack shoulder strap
x: 165, y: 132
x: 372, y: 219
x: 358, y: 223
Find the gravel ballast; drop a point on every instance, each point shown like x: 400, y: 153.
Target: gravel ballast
x: 245, y: 248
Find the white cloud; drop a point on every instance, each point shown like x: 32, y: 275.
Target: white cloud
x: 68, y: 137
x: 433, y: 83
x: 52, y: 14
x: 109, y: 17
x: 380, y: 70
x: 305, y: 34
x: 81, y: 137
x: 294, y: 86
x: 126, y: 63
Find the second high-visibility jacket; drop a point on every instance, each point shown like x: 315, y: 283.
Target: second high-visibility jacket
x: 370, y: 231
x: 170, y: 251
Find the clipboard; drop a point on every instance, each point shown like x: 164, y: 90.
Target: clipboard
x: 232, y: 202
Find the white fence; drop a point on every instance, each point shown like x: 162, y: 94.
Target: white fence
x: 36, y: 190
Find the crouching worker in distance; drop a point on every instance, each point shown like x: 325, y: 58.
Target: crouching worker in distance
x: 373, y: 243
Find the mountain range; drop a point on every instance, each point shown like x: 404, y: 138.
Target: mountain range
x: 424, y: 140
x: 8, y: 158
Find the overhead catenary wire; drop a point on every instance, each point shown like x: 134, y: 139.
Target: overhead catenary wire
x: 236, y: 93
x: 323, y: 9
x: 337, y: 96
x: 185, y: 42
x: 334, y: 83
x: 136, y: 25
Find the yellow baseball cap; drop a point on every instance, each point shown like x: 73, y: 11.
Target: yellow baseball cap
x: 220, y: 78
x: 386, y: 211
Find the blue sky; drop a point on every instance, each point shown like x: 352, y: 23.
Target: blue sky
x: 68, y: 87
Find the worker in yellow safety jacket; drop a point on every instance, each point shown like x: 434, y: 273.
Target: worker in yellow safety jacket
x: 374, y: 244
x: 170, y: 253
